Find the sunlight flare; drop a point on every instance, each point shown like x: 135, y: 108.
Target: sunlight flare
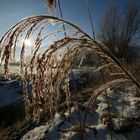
x: 27, y: 42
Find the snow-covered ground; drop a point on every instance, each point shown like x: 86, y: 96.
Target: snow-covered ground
x: 124, y: 109
x: 124, y: 104
x: 11, y: 92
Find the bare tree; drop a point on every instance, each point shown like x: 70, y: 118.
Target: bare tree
x: 121, y: 32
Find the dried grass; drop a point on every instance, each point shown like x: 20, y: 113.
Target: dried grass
x: 4, y: 134
x: 52, y: 67
x: 50, y: 4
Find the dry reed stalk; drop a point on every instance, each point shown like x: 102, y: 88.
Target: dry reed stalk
x: 52, y: 68
x: 98, y: 91
x: 50, y: 4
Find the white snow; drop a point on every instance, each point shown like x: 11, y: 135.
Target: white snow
x: 124, y: 101
x: 130, y: 109
x: 11, y: 92
x: 36, y: 134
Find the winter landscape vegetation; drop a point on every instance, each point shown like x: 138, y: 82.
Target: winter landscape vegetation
x: 59, y: 82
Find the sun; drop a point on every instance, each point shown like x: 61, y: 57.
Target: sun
x: 27, y: 42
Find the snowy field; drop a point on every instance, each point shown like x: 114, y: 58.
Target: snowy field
x: 12, y: 69
x: 124, y: 103
x: 11, y: 91
x: 124, y: 110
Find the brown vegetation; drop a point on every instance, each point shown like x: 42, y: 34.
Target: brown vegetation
x: 52, y: 67
x: 49, y: 71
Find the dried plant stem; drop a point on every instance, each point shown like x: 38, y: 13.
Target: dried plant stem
x: 60, y: 10
x: 52, y: 68
x: 103, y: 78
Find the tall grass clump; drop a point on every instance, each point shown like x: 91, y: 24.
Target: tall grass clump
x: 48, y: 69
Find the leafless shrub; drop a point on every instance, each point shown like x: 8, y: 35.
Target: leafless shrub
x: 120, y: 32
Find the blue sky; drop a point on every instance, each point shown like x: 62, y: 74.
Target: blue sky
x: 11, y: 11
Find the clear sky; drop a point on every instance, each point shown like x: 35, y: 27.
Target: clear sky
x: 11, y: 11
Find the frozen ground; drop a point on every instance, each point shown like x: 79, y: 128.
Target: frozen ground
x: 11, y: 92
x: 124, y: 104
x: 124, y: 109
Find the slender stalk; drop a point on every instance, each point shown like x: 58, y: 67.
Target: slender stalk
x: 90, y: 18
x: 103, y: 78
x: 122, y: 104
x: 61, y: 15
